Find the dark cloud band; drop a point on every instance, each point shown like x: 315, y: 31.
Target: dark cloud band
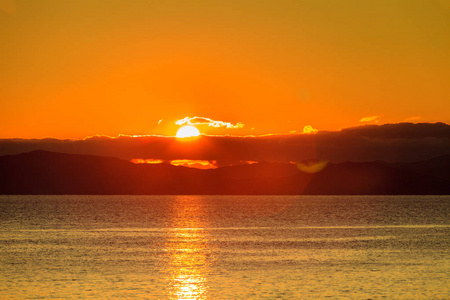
x: 389, y: 142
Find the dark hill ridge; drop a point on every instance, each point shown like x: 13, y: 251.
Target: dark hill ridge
x: 436, y: 167
x: 42, y: 172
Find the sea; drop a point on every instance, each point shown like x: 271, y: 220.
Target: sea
x: 224, y: 247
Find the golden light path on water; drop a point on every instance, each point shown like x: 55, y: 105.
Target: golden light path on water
x: 187, y: 249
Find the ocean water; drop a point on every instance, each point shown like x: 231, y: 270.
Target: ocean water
x: 225, y: 247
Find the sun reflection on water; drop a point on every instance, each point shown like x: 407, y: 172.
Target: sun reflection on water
x: 187, y: 249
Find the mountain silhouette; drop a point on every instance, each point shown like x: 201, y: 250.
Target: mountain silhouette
x: 43, y: 172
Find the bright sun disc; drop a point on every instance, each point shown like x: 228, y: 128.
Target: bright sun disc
x: 187, y: 131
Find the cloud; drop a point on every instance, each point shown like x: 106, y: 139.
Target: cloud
x: 197, y: 164
x: 388, y: 142
x: 208, y: 121
x: 146, y: 161
x: 308, y: 129
x: 370, y: 119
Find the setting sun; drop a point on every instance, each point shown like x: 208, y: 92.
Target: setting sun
x: 187, y: 131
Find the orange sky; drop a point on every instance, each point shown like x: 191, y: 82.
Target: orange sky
x: 78, y: 68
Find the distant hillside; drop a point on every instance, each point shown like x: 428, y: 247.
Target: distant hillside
x: 42, y: 172
x: 436, y: 167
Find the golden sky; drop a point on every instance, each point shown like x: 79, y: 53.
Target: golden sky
x: 77, y: 68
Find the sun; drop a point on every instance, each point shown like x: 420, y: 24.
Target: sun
x: 187, y: 131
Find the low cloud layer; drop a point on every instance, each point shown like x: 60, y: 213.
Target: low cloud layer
x: 389, y: 142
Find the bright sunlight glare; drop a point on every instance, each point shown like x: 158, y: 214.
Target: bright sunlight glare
x: 187, y: 131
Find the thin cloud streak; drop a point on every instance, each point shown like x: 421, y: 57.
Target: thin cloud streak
x: 197, y: 164
x: 370, y: 119
x: 209, y: 122
x: 146, y: 161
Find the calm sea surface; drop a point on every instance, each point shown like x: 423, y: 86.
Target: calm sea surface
x: 225, y: 247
